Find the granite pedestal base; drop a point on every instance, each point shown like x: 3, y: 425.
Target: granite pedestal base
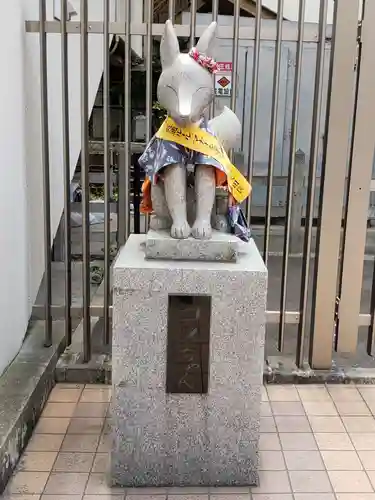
x: 162, y: 439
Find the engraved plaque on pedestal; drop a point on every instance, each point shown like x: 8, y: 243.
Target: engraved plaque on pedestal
x: 188, y: 344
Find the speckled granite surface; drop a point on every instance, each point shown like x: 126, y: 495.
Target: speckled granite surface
x: 221, y: 247
x: 187, y: 439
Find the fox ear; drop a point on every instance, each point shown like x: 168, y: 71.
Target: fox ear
x: 169, y: 48
x: 206, y: 43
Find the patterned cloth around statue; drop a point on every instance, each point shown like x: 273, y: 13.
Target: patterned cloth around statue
x: 160, y: 153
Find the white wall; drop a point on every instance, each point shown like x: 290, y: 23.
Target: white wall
x: 311, y: 12
x: 13, y: 235
x: 21, y: 229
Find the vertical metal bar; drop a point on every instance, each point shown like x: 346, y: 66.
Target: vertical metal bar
x: 359, y: 192
x: 236, y: 32
x: 193, y: 21
x: 334, y: 166
x: 246, y: 65
x: 66, y: 161
x: 46, y: 175
x: 273, y: 130
x: 215, y: 10
x: 149, y: 16
x: 313, y: 165
x: 107, y: 173
x: 125, y: 159
x: 215, y: 16
x: 293, y: 143
x: 172, y: 10
x: 254, y: 100
x: 85, y: 166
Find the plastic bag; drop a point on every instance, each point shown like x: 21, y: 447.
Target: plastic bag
x: 238, y: 223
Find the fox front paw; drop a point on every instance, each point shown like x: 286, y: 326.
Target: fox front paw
x: 202, y: 230
x: 180, y: 231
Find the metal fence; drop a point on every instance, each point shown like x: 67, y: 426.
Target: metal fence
x: 326, y: 314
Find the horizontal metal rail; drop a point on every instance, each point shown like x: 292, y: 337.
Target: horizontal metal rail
x: 268, y: 30
x: 272, y: 317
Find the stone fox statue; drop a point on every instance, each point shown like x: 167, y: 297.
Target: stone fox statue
x: 185, y: 90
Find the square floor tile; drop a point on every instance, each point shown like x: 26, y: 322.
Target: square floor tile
x: 265, y: 409
x: 93, y: 410
x: 27, y: 483
x: 101, y: 395
x: 292, y: 424
x: 371, y: 406
x: 297, y: 441
x: 80, y: 443
x: 310, y: 481
x: 313, y: 393
x: 200, y: 497
x: 355, y: 496
x: 319, y: 408
x: 59, y: 410
x: 333, y: 441
x: 267, y: 424
x: 66, y: 483
x: 147, y: 497
x: 269, y: 442
x: 326, y: 424
x: 282, y: 393
x: 112, y: 497
x: 74, y: 462
x: 272, y: 482
x: 272, y: 496
x: 371, y: 475
x: 344, y: 393
x: 364, y: 441
x: 101, y: 463
x: 199, y: 490
x: 264, y: 393
x: 86, y: 426
x: 271, y: 460
x: 45, y: 442
x: 21, y: 497
x: 368, y: 459
x: 105, y: 443
x: 153, y: 491
x: 350, y: 482
x: 289, y: 408
x: 359, y: 424
x: 64, y: 395
x: 352, y: 408
x: 37, y: 461
x: 98, y: 485
x: 48, y: 425
x: 303, y: 460
x: 341, y: 460
x: 368, y: 393
x: 314, y: 496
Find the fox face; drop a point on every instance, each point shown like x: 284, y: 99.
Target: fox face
x: 185, y: 88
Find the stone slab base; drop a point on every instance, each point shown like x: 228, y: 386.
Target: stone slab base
x: 164, y: 439
x: 222, y: 247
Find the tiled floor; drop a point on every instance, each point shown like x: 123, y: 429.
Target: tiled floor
x: 317, y: 443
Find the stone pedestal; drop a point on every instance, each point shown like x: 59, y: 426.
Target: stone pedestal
x: 180, y: 438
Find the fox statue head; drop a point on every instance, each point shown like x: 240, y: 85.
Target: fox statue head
x: 185, y: 87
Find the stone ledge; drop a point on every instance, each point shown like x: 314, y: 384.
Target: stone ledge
x: 220, y: 248
x: 277, y: 370
x: 24, y: 390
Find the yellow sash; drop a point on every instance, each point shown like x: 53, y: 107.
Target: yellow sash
x: 199, y: 140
